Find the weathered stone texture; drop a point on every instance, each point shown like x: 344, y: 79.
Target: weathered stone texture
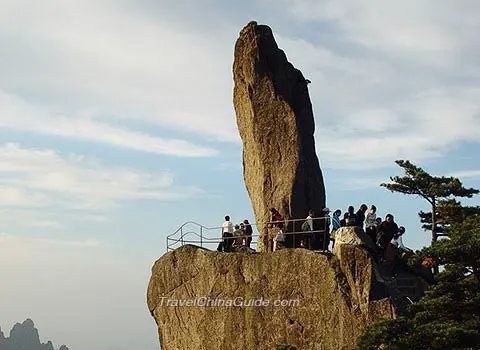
x: 275, y: 120
x: 334, y: 303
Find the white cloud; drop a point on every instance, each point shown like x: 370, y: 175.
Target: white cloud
x: 474, y: 173
x: 89, y: 60
x: 17, y: 114
x: 395, y: 100
x: 387, y: 80
x: 77, y: 181
x: 359, y: 183
x: 429, y: 26
x: 18, y: 197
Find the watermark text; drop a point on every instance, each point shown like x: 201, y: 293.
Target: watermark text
x: 227, y: 302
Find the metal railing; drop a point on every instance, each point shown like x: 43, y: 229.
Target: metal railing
x: 192, y: 232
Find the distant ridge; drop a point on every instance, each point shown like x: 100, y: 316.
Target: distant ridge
x: 24, y: 336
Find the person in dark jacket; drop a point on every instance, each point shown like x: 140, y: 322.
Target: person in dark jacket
x: 351, y: 217
x: 386, y: 231
x: 248, y: 232
x: 343, y: 222
x: 361, y: 216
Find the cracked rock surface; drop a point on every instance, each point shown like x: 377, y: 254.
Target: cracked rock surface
x: 275, y: 120
x: 334, y: 299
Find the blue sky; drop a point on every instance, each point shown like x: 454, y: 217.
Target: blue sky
x: 117, y: 125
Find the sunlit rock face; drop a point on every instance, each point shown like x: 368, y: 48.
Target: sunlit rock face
x: 276, y: 125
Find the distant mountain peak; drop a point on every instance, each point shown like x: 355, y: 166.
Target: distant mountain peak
x: 24, y: 336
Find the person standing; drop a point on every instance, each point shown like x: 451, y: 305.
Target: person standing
x: 227, y: 235
x: 238, y: 235
x: 279, y: 240
x: 336, y: 219
x: 361, y: 216
x: 248, y: 232
x: 325, y: 230
x: 336, y: 223
x: 371, y: 223
x: 277, y: 223
x: 307, y: 228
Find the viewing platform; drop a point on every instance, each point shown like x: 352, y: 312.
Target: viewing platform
x: 209, y: 237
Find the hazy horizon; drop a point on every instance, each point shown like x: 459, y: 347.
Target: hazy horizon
x: 117, y: 125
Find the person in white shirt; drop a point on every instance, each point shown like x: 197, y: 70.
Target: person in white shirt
x: 227, y: 234
x: 309, y: 220
x: 397, y: 239
x: 396, y: 251
x: 307, y: 227
x: 398, y: 243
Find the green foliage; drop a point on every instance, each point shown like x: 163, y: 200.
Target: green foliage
x: 448, y: 212
x: 417, y: 181
x: 448, y: 316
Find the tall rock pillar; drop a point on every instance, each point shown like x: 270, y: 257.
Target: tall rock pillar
x: 275, y: 120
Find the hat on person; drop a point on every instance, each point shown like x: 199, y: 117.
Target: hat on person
x: 326, y: 210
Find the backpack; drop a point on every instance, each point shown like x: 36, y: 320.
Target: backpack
x: 305, y: 226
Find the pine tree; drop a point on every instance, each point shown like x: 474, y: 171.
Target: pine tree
x: 433, y: 189
x: 448, y: 211
x: 448, y: 316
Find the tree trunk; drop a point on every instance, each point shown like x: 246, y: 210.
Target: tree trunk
x: 434, y: 220
x: 434, y: 229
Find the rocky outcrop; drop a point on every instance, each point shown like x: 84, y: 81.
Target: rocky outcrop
x: 25, y: 336
x: 275, y: 120
x: 328, y: 301
x: 352, y: 236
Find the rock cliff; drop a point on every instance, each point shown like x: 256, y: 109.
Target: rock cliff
x: 330, y: 300
x: 24, y: 336
x: 275, y: 120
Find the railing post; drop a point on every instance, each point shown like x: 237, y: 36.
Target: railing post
x: 181, y: 235
x: 326, y: 236
x: 294, y: 233
x: 201, y: 236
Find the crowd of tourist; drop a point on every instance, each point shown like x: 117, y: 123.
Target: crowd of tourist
x: 235, y: 236
x: 314, y: 232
